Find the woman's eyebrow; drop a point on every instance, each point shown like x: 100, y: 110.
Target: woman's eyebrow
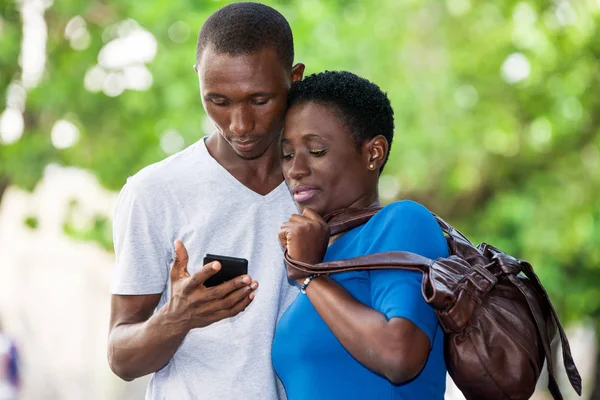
x: 306, y: 138
x: 311, y: 136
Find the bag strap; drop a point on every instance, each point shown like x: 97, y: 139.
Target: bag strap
x: 385, y: 260
x: 343, y: 220
x: 512, y: 266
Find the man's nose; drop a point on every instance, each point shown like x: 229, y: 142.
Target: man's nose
x: 242, y: 120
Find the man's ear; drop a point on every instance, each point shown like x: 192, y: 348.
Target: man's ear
x: 297, y: 72
x: 196, y: 68
x: 376, y: 151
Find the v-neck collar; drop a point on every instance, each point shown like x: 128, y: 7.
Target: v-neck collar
x: 232, y: 181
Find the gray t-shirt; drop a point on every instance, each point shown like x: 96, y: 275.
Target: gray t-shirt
x: 190, y: 196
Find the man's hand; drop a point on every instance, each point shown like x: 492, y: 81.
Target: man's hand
x: 305, y: 237
x: 199, y: 306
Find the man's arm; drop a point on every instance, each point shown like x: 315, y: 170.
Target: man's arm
x: 141, y: 342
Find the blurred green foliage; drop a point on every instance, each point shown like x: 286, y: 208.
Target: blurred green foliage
x: 497, y: 111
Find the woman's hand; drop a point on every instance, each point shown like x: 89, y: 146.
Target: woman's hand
x: 305, y: 237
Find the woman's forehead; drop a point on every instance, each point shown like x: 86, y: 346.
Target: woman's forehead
x: 312, y: 121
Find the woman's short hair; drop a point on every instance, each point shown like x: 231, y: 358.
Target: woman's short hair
x: 361, y: 106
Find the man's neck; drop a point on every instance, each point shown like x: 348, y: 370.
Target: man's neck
x: 261, y: 175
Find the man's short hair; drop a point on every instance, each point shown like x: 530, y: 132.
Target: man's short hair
x: 361, y: 106
x: 243, y: 28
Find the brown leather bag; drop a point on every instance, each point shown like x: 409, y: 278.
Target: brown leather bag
x: 498, y: 319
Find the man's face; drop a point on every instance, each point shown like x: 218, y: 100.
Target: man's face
x: 245, y: 96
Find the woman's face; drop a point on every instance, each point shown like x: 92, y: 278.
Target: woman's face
x: 322, y: 165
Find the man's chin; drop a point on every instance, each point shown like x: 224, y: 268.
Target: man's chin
x: 249, y: 156
x: 257, y: 152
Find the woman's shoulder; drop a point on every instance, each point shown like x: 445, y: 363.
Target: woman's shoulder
x: 405, y: 211
x: 407, y: 226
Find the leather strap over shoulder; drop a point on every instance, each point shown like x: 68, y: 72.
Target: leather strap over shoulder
x: 386, y: 260
x: 346, y: 219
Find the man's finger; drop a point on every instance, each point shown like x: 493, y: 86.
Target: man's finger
x: 202, y: 275
x: 231, y: 312
x: 229, y: 301
x: 224, y: 289
x: 180, y: 262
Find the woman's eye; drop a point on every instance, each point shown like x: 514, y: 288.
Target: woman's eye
x: 287, y: 156
x: 318, y: 153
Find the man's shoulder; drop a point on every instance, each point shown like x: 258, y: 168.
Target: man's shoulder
x: 180, y: 166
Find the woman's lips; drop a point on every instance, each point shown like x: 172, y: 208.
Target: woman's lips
x: 304, y: 194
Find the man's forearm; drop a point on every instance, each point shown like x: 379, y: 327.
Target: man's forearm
x: 135, y: 350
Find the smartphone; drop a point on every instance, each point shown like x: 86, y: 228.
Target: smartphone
x: 230, y: 268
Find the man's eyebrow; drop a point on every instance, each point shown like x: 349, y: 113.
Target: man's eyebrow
x: 262, y: 94
x: 214, y: 96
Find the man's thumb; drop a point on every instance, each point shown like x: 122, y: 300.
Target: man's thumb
x: 181, y: 257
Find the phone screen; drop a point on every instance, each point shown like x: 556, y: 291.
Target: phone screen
x: 230, y: 268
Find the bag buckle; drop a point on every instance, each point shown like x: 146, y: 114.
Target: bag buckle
x: 483, y: 272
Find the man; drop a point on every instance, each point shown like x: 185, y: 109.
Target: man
x: 222, y: 195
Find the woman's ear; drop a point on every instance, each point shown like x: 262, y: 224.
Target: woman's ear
x: 376, y: 151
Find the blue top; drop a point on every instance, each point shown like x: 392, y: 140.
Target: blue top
x: 312, y: 363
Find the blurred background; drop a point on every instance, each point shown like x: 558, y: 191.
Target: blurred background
x: 497, y: 130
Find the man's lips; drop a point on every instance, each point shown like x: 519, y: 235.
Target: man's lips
x: 245, y: 145
x: 304, y: 193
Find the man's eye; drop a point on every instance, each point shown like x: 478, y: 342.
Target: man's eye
x: 318, y: 153
x: 220, y: 103
x: 259, y: 102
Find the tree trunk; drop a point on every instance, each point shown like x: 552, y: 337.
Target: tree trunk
x: 3, y: 185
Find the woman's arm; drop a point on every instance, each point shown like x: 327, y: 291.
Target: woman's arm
x: 395, y: 348
x: 384, y: 338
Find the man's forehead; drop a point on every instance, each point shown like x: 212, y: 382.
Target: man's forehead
x: 259, y: 68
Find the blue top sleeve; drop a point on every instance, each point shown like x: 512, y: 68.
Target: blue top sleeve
x: 405, y: 226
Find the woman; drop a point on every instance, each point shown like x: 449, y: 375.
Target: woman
x: 362, y: 334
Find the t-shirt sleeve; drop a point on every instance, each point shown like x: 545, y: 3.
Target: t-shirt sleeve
x: 141, y: 256
x: 405, y: 226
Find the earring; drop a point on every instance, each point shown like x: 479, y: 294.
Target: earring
x: 371, y: 166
